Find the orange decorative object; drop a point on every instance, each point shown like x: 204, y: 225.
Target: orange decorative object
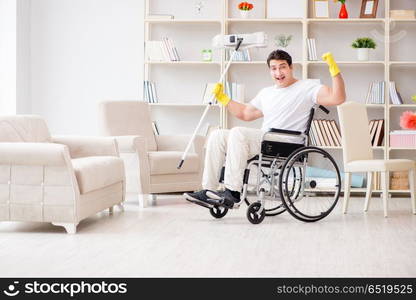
x: 245, y: 6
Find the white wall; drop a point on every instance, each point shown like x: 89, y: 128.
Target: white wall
x: 83, y: 52
x: 7, y: 56
x: 23, y: 98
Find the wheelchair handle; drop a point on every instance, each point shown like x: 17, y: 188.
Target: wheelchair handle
x: 324, y: 109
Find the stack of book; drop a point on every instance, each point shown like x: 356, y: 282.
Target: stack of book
x: 241, y: 55
x: 376, y: 132
x: 403, y: 138
x: 395, y: 97
x: 149, y: 92
x: 233, y: 90
x: 155, y: 129
x: 325, y: 133
x: 164, y: 50
x: 375, y: 94
x: 311, y: 49
x: 399, y: 181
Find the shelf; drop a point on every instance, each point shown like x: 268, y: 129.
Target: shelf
x: 402, y: 106
x: 235, y: 20
x: 173, y: 21
x: 353, y: 20
x: 395, y: 63
x: 184, y: 62
x: 375, y: 105
x: 402, y: 148
x: 259, y: 62
x: 182, y: 104
x: 402, y: 20
x: 349, y: 62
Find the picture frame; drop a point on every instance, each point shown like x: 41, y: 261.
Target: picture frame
x: 320, y: 9
x: 369, y: 8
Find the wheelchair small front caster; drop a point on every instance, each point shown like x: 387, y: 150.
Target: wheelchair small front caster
x: 253, y: 214
x: 218, y: 211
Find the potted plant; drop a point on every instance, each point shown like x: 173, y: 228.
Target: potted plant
x: 282, y: 41
x: 363, y: 45
x: 245, y: 8
x: 343, y: 13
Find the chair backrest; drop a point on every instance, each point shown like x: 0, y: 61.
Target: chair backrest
x: 23, y: 128
x: 120, y: 118
x: 355, y: 132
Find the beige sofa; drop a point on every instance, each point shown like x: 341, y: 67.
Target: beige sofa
x: 151, y: 160
x: 61, y: 180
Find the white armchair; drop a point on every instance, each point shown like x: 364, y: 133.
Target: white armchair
x: 151, y: 161
x: 61, y: 180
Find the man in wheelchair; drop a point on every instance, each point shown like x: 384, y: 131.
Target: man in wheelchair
x: 285, y: 105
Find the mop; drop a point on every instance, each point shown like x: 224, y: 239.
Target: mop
x: 236, y: 41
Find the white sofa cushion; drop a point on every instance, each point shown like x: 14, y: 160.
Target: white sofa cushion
x: 166, y: 162
x: 96, y: 172
x: 379, y: 165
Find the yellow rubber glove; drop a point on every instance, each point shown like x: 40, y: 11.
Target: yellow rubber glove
x: 333, y: 67
x: 218, y: 91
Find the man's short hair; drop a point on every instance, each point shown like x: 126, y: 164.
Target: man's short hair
x: 279, y: 55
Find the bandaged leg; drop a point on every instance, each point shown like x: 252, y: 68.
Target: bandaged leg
x: 243, y: 143
x: 214, y: 158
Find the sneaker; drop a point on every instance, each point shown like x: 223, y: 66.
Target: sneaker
x: 224, y: 198
x: 199, y: 198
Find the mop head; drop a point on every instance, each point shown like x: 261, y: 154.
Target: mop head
x: 250, y: 40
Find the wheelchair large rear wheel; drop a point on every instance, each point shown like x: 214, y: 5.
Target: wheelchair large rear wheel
x: 317, y: 195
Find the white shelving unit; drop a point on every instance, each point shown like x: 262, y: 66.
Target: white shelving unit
x: 393, y: 60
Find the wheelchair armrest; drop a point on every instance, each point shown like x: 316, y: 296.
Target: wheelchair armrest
x: 284, y: 131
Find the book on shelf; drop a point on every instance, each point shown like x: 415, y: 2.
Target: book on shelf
x: 337, y: 132
x: 325, y: 133
x: 235, y: 91
x: 312, y: 54
x: 154, y: 128
x: 376, y: 128
x: 375, y: 93
x: 240, y: 55
x: 149, y: 92
x: 395, y: 97
x: 159, y: 17
x: 164, y: 50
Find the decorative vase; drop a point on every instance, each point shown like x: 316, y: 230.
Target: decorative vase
x: 362, y: 53
x: 244, y: 13
x: 343, y: 13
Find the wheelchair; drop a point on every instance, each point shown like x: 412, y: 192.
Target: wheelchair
x: 282, y: 181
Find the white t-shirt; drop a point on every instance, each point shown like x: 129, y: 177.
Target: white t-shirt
x: 289, y: 107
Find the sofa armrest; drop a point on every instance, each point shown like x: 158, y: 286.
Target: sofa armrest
x: 178, y: 142
x: 46, y: 154
x: 82, y: 146
x: 130, y: 143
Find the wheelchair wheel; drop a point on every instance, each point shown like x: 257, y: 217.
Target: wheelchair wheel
x: 315, y: 201
x: 218, y: 211
x: 273, y: 206
x: 253, y: 214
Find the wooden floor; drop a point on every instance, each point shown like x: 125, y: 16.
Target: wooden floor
x: 178, y: 239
